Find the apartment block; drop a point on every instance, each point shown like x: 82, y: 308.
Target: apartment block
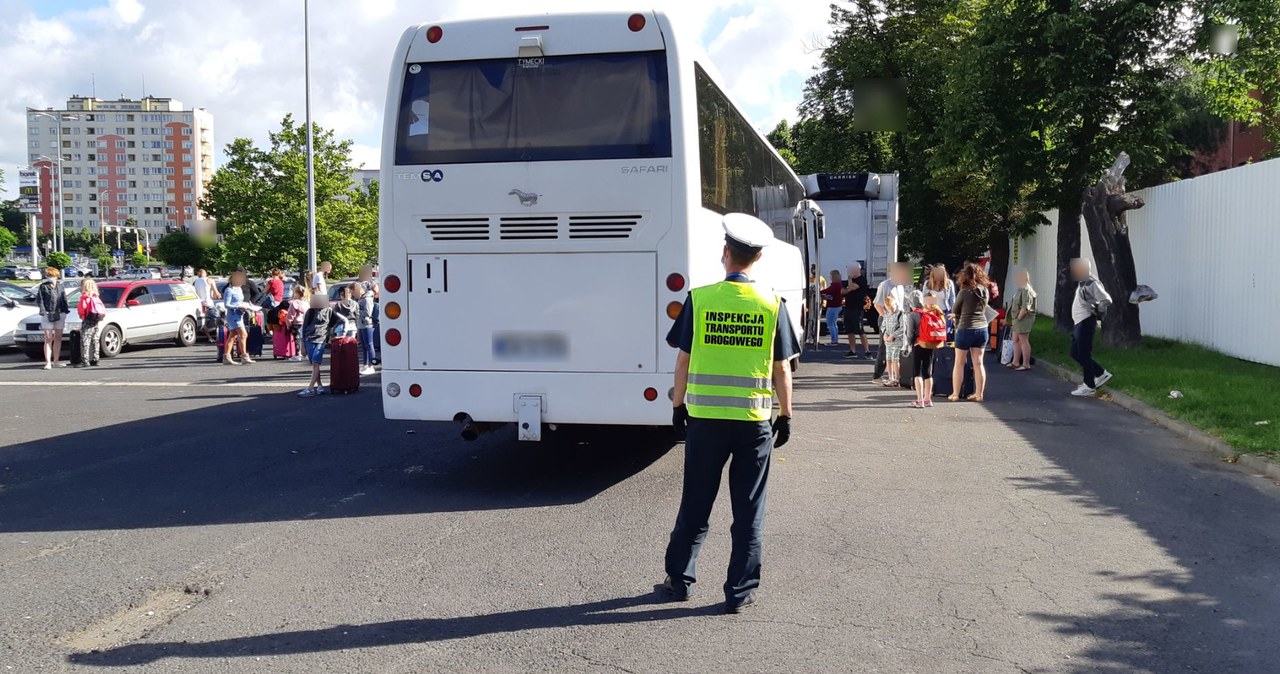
x: 148, y: 160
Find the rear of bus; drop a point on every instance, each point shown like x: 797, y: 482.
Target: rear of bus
x: 529, y: 246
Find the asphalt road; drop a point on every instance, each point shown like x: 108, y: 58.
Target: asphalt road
x: 178, y: 516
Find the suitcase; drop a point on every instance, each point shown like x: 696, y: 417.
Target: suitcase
x: 76, y: 350
x: 283, y: 345
x: 222, y: 341
x: 906, y: 371
x: 255, y: 341
x: 344, y: 365
x: 944, y: 362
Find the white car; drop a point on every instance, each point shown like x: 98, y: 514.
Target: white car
x: 137, y: 312
x: 16, y: 303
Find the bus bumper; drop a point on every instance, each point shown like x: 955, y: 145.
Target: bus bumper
x: 496, y: 397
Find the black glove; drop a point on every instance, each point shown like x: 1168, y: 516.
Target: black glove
x: 680, y: 421
x: 781, y: 431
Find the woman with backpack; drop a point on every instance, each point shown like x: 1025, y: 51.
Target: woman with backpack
x: 92, y: 311
x: 51, y: 300
x: 971, y: 320
x: 927, y: 330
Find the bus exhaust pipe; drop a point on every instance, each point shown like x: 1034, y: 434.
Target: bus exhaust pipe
x: 472, y: 429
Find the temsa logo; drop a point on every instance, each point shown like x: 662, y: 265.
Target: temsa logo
x: 432, y: 176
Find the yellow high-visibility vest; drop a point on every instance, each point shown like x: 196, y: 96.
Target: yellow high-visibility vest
x: 731, y: 363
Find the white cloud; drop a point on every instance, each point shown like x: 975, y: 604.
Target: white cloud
x: 242, y: 59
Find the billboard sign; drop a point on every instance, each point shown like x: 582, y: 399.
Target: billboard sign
x: 29, y: 190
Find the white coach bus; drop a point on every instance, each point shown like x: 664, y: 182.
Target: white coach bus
x: 552, y: 190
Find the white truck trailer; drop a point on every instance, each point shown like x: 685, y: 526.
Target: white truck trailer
x: 861, y: 221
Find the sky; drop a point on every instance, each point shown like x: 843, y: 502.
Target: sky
x: 242, y: 59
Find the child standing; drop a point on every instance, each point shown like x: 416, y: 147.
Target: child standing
x: 92, y: 311
x: 364, y: 322
x: 317, y: 326
x: 894, y: 328
x: 347, y: 310
x: 294, y: 315
x: 927, y: 329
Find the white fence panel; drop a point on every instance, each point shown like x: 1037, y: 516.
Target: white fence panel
x: 1207, y: 246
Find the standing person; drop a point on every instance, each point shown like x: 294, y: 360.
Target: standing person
x: 275, y: 287
x: 91, y: 311
x: 893, y: 327
x: 372, y: 286
x: 970, y: 316
x: 317, y: 327
x: 364, y: 324
x: 187, y: 275
x: 897, y: 285
x: 297, y: 311
x: 319, y: 282
x: 347, y: 310
x: 855, y: 301
x: 207, y: 292
x: 941, y: 285
x: 51, y: 299
x: 240, y: 312
x: 1022, y: 308
x: 722, y: 401
x: 926, y: 332
x: 833, y: 297
x: 1089, y: 306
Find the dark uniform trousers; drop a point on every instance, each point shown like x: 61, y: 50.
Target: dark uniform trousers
x: 711, y: 443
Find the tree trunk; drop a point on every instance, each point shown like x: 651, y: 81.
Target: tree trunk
x: 1068, y: 249
x: 1000, y: 264
x: 1104, y: 206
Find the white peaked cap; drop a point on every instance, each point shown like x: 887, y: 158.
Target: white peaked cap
x: 747, y: 230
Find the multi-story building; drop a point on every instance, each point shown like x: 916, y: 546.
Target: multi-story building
x: 148, y: 160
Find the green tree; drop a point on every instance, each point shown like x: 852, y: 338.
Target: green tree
x: 58, y: 259
x: 1048, y: 92
x: 139, y: 259
x: 181, y: 249
x: 13, y: 219
x: 259, y: 200
x: 7, y: 241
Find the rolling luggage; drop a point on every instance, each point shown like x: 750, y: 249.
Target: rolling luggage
x: 944, y: 361
x: 283, y: 345
x: 222, y: 341
x: 344, y: 367
x: 254, y: 343
x: 76, y: 350
x: 906, y: 371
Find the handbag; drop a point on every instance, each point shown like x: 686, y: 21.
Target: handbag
x: 991, y: 314
x: 1006, y: 346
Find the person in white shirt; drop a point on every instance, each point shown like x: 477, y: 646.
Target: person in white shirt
x: 207, y: 292
x: 318, y: 284
x: 1090, y: 304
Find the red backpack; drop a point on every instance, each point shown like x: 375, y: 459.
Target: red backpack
x: 933, y: 329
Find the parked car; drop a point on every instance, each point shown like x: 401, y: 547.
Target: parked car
x: 335, y: 289
x: 29, y: 274
x: 16, y: 303
x: 145, y: 310
x: 9, y: 273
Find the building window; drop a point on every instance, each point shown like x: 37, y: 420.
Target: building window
x: 35, y: 144
x: 186, y: 131
x: 120, y: 171
x: 186, y: 158
x: 35, y: 131
x: 120, y: 157
x: 186, y: 145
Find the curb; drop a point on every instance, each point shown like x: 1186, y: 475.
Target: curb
x: 1218, y: 447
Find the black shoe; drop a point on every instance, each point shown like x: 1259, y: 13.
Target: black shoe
x: 94, y: 363
x: 740, y: 606
x: 673, y: 591
x: 851, y: 355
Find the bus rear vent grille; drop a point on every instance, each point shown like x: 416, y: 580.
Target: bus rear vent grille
x: 457, y: 229
x: 602, y: 226
x: 529, y: 228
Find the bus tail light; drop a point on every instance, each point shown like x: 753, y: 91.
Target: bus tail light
x: 651, y: 394
x: 434, y: 34
x: 392, y: 310
x: 391, y: 284
x: 675, y: 283
x: 636, y: 23
x: 415, y: 390
x: 392, y: 337
x: 674, y: 309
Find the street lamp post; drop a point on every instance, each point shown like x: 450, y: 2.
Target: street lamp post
x: 54, y: 182
x: 311, y: 171
x: 60, y: 231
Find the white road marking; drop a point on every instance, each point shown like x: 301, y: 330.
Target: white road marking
x: 159, y: 384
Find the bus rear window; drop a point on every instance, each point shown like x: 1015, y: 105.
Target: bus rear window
x: 555, y: 108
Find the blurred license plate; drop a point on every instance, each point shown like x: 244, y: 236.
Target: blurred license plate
x: 36, y: 337
x: 539, y: 346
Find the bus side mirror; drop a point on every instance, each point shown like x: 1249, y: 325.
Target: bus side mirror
x: 822, y: 226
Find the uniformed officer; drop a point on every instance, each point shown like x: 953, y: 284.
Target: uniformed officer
x: 735, y: 340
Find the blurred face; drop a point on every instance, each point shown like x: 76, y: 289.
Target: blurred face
x: 326, y: 267
x: 366, y: 273
x: 835, y: 277
x: 930, y: 301
x: 1079, y: 270
x: 898, y: 274
x: 855, y: 272
x: 1023, y: 278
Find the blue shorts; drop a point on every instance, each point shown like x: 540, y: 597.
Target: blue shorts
x: 971, y: 338
x: 315, y: 353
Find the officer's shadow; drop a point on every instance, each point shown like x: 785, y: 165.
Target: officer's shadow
x: 340, y: 637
